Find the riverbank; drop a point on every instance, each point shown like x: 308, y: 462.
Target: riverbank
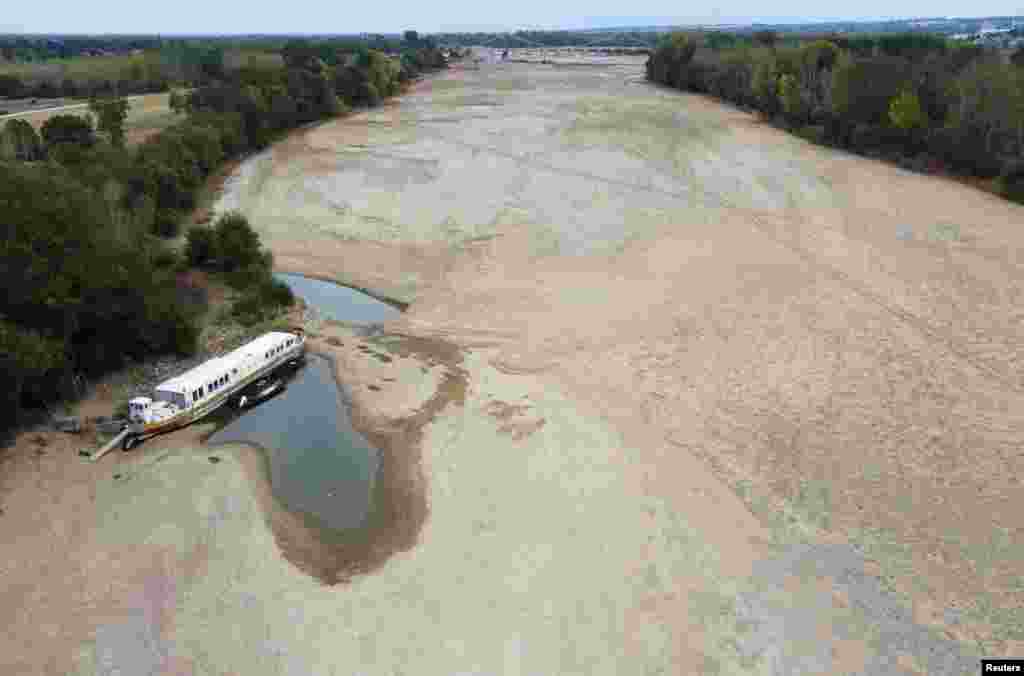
x: 54, y: 501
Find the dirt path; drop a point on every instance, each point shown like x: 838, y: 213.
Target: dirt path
x: 726, y: 403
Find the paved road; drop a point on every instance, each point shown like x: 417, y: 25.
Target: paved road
x: 58, y: 108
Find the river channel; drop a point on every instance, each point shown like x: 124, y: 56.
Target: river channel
x: 319, y: 464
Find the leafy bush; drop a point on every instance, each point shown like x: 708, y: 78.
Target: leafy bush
x: 237, y: 244
x: 277, y: 293
x: 262, y: 300
x: 251, y: 309
x: 165, y: 258
x: 905, y: 111
x: 248, y: 277
x: 201, y: 245
x: 1011, y: 181
x: 68, y: 129
x: 167, y: 222
x: 186, y: 338
x: 813, y: 133
x: 964, y: 149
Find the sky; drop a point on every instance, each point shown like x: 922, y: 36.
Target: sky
x: 331, y: 16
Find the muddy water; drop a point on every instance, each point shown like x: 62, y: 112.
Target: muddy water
x: 319, y: 464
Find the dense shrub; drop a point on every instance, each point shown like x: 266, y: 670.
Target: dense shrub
x: 277, y: 292
x: 68, y: 129
x: 166, y: 258
x: 262, y: 301
x: 200, y: 245
x: 246, y: 277
x: 1011, y: 180
x: 19, y: 141
x: 72, y: 286
x: 167, y: 222
x: 237, y: 244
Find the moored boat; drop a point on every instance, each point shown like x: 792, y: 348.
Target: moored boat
x: 199, y: 392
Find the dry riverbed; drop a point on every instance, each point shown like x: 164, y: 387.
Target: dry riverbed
x: 675, y: 393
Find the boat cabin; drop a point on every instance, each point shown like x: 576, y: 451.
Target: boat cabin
x: 219, y: 375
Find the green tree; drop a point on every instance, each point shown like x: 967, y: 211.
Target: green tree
x: 201, y: 245
x: 237, y: 244
x: 24, y: 353
x: 19, y: 141
x: 905, y: 111
x: 177, y: 101
x: 789, y: 96
x: 764, y: 83
x: 861, y: 89
x: 10, y: 86
x: 111, y: 114
x: 68, y: 129
x: 766, y: 38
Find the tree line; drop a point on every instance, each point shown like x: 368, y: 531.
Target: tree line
x: 536, y: 38
x: 29, y: 48
x: 89, y: 277
x: 187, y: 63
x: 915, y: 98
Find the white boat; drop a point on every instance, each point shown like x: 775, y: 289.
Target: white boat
x: 195, y: 394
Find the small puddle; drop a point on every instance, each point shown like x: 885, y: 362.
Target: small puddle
x: 334, y: 301
x: 357, y: 500
x: 318, y: 463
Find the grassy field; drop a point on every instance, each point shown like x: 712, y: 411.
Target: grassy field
x: 148, y: 115
x: 79, y: 68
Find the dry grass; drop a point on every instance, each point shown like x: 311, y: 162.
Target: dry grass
x: 147, y: 115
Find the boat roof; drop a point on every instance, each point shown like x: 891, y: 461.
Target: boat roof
x: 264, y: 342
x: 218, y: 366
x: 200, y: 375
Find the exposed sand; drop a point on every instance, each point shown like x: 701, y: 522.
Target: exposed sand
x: 723, y: 402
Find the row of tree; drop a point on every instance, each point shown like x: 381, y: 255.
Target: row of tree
x: 913, y: 97
x: 29, y: 48
x: 195, y: 63
x: 87, y: 279
x: 536, y: 38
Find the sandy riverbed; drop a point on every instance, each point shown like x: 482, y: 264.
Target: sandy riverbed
x: 723, y: 399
